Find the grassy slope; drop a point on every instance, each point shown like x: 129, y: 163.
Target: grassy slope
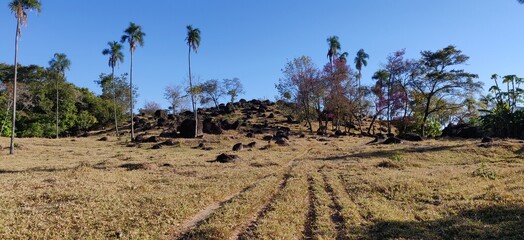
x: 83, y: 188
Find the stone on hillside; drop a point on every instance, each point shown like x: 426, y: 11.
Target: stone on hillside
x: 187, y: 128
x: 487, y: 140
x: 412, y: 137
x: 238, y: 147
x: 160, y: 114
x: 211, y: 127
x: 392, y: 140
x: 227, y: 158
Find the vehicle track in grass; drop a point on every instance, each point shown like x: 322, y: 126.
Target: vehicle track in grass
x: 336, y: 217
x: 311, y: 215
x: 184, y: 232
x: 247, y: 231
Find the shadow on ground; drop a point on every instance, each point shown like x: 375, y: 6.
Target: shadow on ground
x: 389, y: 153
x: 495, y: 222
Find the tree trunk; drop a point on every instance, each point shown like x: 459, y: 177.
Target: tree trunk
x: 359, y: 105
x: 426, y: 114
x: 192, y: 92
x: 12, y: 145
x: 114, y: 99
x: 57, y: 107
x: 131, y: 99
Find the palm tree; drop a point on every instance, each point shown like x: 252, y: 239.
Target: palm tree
x: 360, y: 60
x: 334, y: 47
x: 521, y: 1
x: 193, y: 42
x: 19, y: 7
x: 115, y: 57
x: 343, y: 57
x: 58, y: 65
x: 134, y: 36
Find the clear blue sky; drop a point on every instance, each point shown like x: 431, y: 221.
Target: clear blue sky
x: 252, y: 40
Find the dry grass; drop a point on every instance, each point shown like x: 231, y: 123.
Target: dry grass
x: 83, y: 188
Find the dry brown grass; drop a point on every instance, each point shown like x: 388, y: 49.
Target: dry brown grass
x: 83, y: 188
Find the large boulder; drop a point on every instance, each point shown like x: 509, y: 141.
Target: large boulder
x: 392, y: 140
x: 412, y: 137
x: 228, y: 125
x: 210, y: 126
x: 187, y: 129
x: 160, y: 114
x: 226, y: 158
x: 462, y: 130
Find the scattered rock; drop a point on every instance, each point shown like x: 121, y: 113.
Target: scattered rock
x: 392, y: 140
x: 187, y: 128
x: 103, y: 139
x: 323, y: 140
x: 412, y: 137
x: 211, y: 127
x: 250, y: 145
x: 487, y: 140
x: 267, y: 138
x: 227, y: 158
x: 157, y: 146
x: 238, y: 147
x: 250, y: 135
x: 282, y: 141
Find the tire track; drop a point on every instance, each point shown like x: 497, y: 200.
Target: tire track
x: 311, y: 215
x: 247, y: 231
x: 336, y: 216
x: 204, y: 214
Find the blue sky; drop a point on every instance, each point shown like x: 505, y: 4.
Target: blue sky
x: 252, y: 40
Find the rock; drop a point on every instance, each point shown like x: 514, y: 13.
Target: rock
x: 323, y: 140
x: 160, y: 114
x: 282, y: 141
x: 103, y: 139
x: 160, y: 122
x: 250, y: 135
x: 412, y: 137
x: 487, y: 140
x: 392, y: 140
x: 227, y: 125
x: 170, y: 142
x: 340, y: 133
x: 462, y: 130
x: 152, y: 139
x: 168, y: 134
x: 238, y: 147
x: 251, y: 145
x: 267, y: 138
x: 211, y: 127
x: 271, y: 115
x: 157, y: 146
x: 187, y: 128
x: 226, y: 158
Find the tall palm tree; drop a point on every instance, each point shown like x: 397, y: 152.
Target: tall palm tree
x: 135, y: 37
x: 115, y: 57
x: 193, y: 42
x: 19, y: 8
x: 343, y: 57
x: 334, y: 47
x: 58, y: 65
x: 360, y: 60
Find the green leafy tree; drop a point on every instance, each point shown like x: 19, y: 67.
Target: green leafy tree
x: 135, y: 37
x: 115, y: 57
x: 19, y: 8
x: 211, y: 92
x: 58, y: 65
x: 193, y: 43
x: 439, y: 85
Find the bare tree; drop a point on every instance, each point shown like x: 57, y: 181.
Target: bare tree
x: 175, y: 96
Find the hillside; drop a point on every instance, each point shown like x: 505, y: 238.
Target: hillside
x: 307, y: 187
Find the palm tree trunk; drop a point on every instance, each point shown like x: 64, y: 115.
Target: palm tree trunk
x: 192, y: 93
x: 57, y: 107
x: 12, y: 145
x: 114, y: 98
x: 131, y: 99
x: 359, y: 97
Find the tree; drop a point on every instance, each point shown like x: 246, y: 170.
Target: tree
x: 232, y: 88
x: 115, y: 57
x: 520, y: 1
x: 440, y: 86
x: 360, y: 61
x: 175, y: 97
x: 303, y: 86
x: 58, y: 65
x: 19, y: 8
x: 150, y: 108
x: 193, y: 42
x: 334, y: 47
x: 211, y: 92
x: 134, y: 36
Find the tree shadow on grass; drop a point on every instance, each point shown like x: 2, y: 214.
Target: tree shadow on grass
x: 390, y: 152
x: 495, y: 222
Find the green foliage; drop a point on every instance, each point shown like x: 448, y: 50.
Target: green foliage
x: 485, y: 172
x: 397, y: 156
x: 433, y: 127
x: 85, y: 120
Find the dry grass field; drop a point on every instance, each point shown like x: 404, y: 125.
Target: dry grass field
x: 337, y: 189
